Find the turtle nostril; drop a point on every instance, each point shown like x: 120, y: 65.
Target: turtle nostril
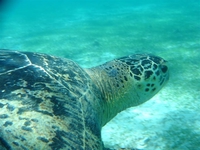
x: 164, y: 68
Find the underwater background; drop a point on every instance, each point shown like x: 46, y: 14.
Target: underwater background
x: 93, y: 32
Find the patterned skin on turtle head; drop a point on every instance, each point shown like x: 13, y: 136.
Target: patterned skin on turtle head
x: 129, y: 81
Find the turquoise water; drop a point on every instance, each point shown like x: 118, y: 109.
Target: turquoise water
x: 93, y: 32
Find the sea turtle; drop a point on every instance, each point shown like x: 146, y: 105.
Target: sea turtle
x: 51, y: 103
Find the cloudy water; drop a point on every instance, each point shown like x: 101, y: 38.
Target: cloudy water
x: 93, y: 32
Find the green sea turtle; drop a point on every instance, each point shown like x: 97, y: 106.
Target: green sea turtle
x: 50, y: 103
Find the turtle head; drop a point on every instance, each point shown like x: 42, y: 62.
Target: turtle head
x: 145, y: 76
x: 129, y: 81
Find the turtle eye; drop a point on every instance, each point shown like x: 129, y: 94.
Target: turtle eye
x: 164, y: 68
